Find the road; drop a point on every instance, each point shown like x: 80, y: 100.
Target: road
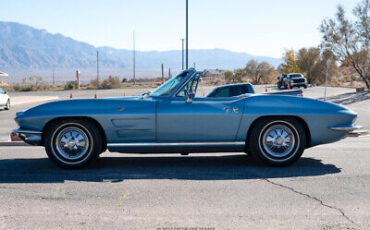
x: 328, y: 188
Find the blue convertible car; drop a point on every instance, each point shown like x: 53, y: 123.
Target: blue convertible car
x: 274, y: 129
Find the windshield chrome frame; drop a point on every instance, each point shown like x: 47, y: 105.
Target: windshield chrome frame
x: 181, y: 86
x: 191, y: 72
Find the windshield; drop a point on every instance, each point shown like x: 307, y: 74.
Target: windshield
x: 295, y: 75
x: 167, y: 88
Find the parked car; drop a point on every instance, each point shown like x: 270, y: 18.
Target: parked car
x: 4, y: 99
x: 274, y: 129
x: 291, y: 80
x: 243, y: 89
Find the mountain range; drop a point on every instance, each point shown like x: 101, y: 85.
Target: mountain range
x: 26, y: 51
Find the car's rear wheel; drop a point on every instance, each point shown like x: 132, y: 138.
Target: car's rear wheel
x: 73, y: 143
x: 7, y: 106
x: 277, y: 141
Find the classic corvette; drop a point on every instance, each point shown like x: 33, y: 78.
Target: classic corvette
x: 274, y: 129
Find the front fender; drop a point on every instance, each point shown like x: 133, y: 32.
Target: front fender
x: 113, y: 115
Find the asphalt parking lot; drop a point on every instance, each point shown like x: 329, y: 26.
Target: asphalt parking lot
x: 328, y: 188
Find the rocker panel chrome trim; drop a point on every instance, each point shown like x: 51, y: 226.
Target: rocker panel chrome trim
x: 239, y: 143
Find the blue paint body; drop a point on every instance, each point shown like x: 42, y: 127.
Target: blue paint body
x: 171, y: 124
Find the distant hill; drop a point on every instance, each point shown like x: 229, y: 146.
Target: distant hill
x: 26, y: 51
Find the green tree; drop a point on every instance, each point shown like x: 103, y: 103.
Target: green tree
x: 290, y: 64
x: 259, y: 72
x: 312, y: 65
x: 349, y: 40
x: 228, y: 76
x: 234, y: 77
x: 238, y: 75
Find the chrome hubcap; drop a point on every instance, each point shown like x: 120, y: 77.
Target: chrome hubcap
x: 72, y: 143
x: 278, y: 140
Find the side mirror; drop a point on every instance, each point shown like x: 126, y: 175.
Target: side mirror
x: 190, y: 97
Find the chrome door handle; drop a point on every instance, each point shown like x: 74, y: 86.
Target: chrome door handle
x: 235, y: 109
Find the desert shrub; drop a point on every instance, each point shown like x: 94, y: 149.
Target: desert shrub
x: 33, y: 83
x: 30, y: 87
x: 70, y: 85
x: 111, y: 83
x: 93, y: 83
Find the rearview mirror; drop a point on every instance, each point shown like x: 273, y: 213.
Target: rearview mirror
x: 190, y: 97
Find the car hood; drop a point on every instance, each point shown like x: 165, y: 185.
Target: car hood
x: 73, y: 104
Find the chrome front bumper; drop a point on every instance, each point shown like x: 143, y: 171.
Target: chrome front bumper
x: 345, y: 128
x: 352, y: 131
x: 298, y: 83
x: 31, y: 137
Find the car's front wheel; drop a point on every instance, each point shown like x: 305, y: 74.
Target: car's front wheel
x: 73, y: 143
x: 277, y: 141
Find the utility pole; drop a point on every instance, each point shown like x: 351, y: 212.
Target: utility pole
x: 182, y: 53
x: 326, y: 77
x: 187, y: 36
x: 162, y: 74
x: 53, y: 74
x: 133, y: 44
x: 97, y: 69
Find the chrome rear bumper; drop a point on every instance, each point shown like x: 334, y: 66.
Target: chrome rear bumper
x: 31, y: 137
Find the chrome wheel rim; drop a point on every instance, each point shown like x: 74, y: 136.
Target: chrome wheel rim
x: 278, y: 140
x: 72, y: 143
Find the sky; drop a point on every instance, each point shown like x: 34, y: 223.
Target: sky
x: 258, y: 27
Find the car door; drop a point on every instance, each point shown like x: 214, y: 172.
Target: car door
x: 202, y: 120
x: 133, y: 120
